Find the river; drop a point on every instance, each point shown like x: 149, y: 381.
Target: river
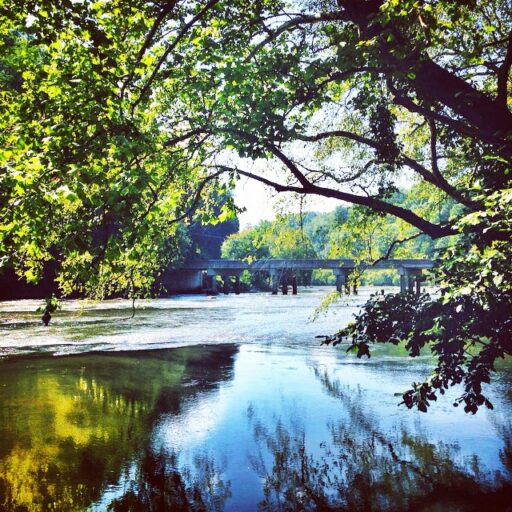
x: 230, y: 403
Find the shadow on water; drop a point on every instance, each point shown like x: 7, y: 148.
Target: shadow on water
x: 70, y: 427
x: 362, y: 469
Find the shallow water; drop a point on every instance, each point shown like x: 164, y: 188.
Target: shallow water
x: 251, y: 413
x: 177, y: 321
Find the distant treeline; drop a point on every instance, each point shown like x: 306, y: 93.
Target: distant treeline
x: 346, y: 232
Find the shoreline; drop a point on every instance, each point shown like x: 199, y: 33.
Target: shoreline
x: 119, y: 353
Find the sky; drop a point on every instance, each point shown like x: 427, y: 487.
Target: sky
x: 262, y: 202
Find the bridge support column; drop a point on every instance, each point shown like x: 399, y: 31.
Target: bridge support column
x: 410, y: 280
x: 237, y: 285
x: 341, y: 275
x: 284, y: 283
x: 225, y: 285
x: 212, y: 276
x: 404, y: 279
x: 275, y: 281
x: 416, y: 277
x: 403, y: 283
x: 294, y: 285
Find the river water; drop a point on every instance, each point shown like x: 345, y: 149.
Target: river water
x: 230, y: 403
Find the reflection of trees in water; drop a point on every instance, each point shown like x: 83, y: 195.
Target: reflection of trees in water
x: 68, y: 426
x: 161, y: 486
x: 363, y: 469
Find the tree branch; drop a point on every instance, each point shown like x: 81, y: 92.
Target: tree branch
x: 409, y: 162
x: 503, y: 74
x: 249, y: 137
x: 443, y: 184
x: 406, y: 102
x: 392, y: 246
x: 305, y: 19
x: 338, y: 76
x: 183, y: 137
x: 170, y: 48
x: 148, y: 40
x: 430, y: 229
x: 486, y: 117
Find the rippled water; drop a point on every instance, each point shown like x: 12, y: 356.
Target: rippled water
x: 173, y: 322
x: 250, y: 413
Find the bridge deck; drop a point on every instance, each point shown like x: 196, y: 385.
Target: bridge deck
x: 309, y: 264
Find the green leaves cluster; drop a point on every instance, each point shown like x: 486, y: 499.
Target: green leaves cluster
x: 89, y: 175
x: 466, y: 326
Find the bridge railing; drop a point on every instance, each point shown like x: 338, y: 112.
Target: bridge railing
x: 305, y: 264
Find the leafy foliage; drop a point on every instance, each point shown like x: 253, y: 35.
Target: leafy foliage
x: 118, y: 115
x: 467, y: 328
x: 89, y: 179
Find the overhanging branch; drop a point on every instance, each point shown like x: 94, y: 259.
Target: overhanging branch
x: 392, y: 246
x: 436, y: 180
x: 375, y: 204
x: 305, y: 19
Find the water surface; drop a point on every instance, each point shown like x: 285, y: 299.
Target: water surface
x: 238, y: 408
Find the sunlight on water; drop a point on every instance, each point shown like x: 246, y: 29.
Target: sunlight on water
x: 173, y: 322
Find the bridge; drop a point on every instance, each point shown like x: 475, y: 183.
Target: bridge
x: 280, y: 271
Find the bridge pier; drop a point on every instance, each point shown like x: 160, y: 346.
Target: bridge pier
x: 274, y: 277
x: 213, y: 280
x: 294, y: 285
x: 341, y: 275
x: 284, y: 283
x: 212, y: 274
x: 410, y: 279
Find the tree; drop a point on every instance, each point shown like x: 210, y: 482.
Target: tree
x: 87, y: 178
x: 249, y: 244
x: 279, y: 239
x: 208, y: 234
x: 118, y: 114
x: 351, y: 98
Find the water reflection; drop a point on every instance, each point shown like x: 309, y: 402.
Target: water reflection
x: 362, y: 467
x: 70, y: 426
x: 232, y: 428
x: 161, y: 485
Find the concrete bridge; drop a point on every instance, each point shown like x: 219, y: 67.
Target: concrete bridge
x: 280, y: 271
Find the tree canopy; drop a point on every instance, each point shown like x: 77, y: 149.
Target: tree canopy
x: 117, y: 116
